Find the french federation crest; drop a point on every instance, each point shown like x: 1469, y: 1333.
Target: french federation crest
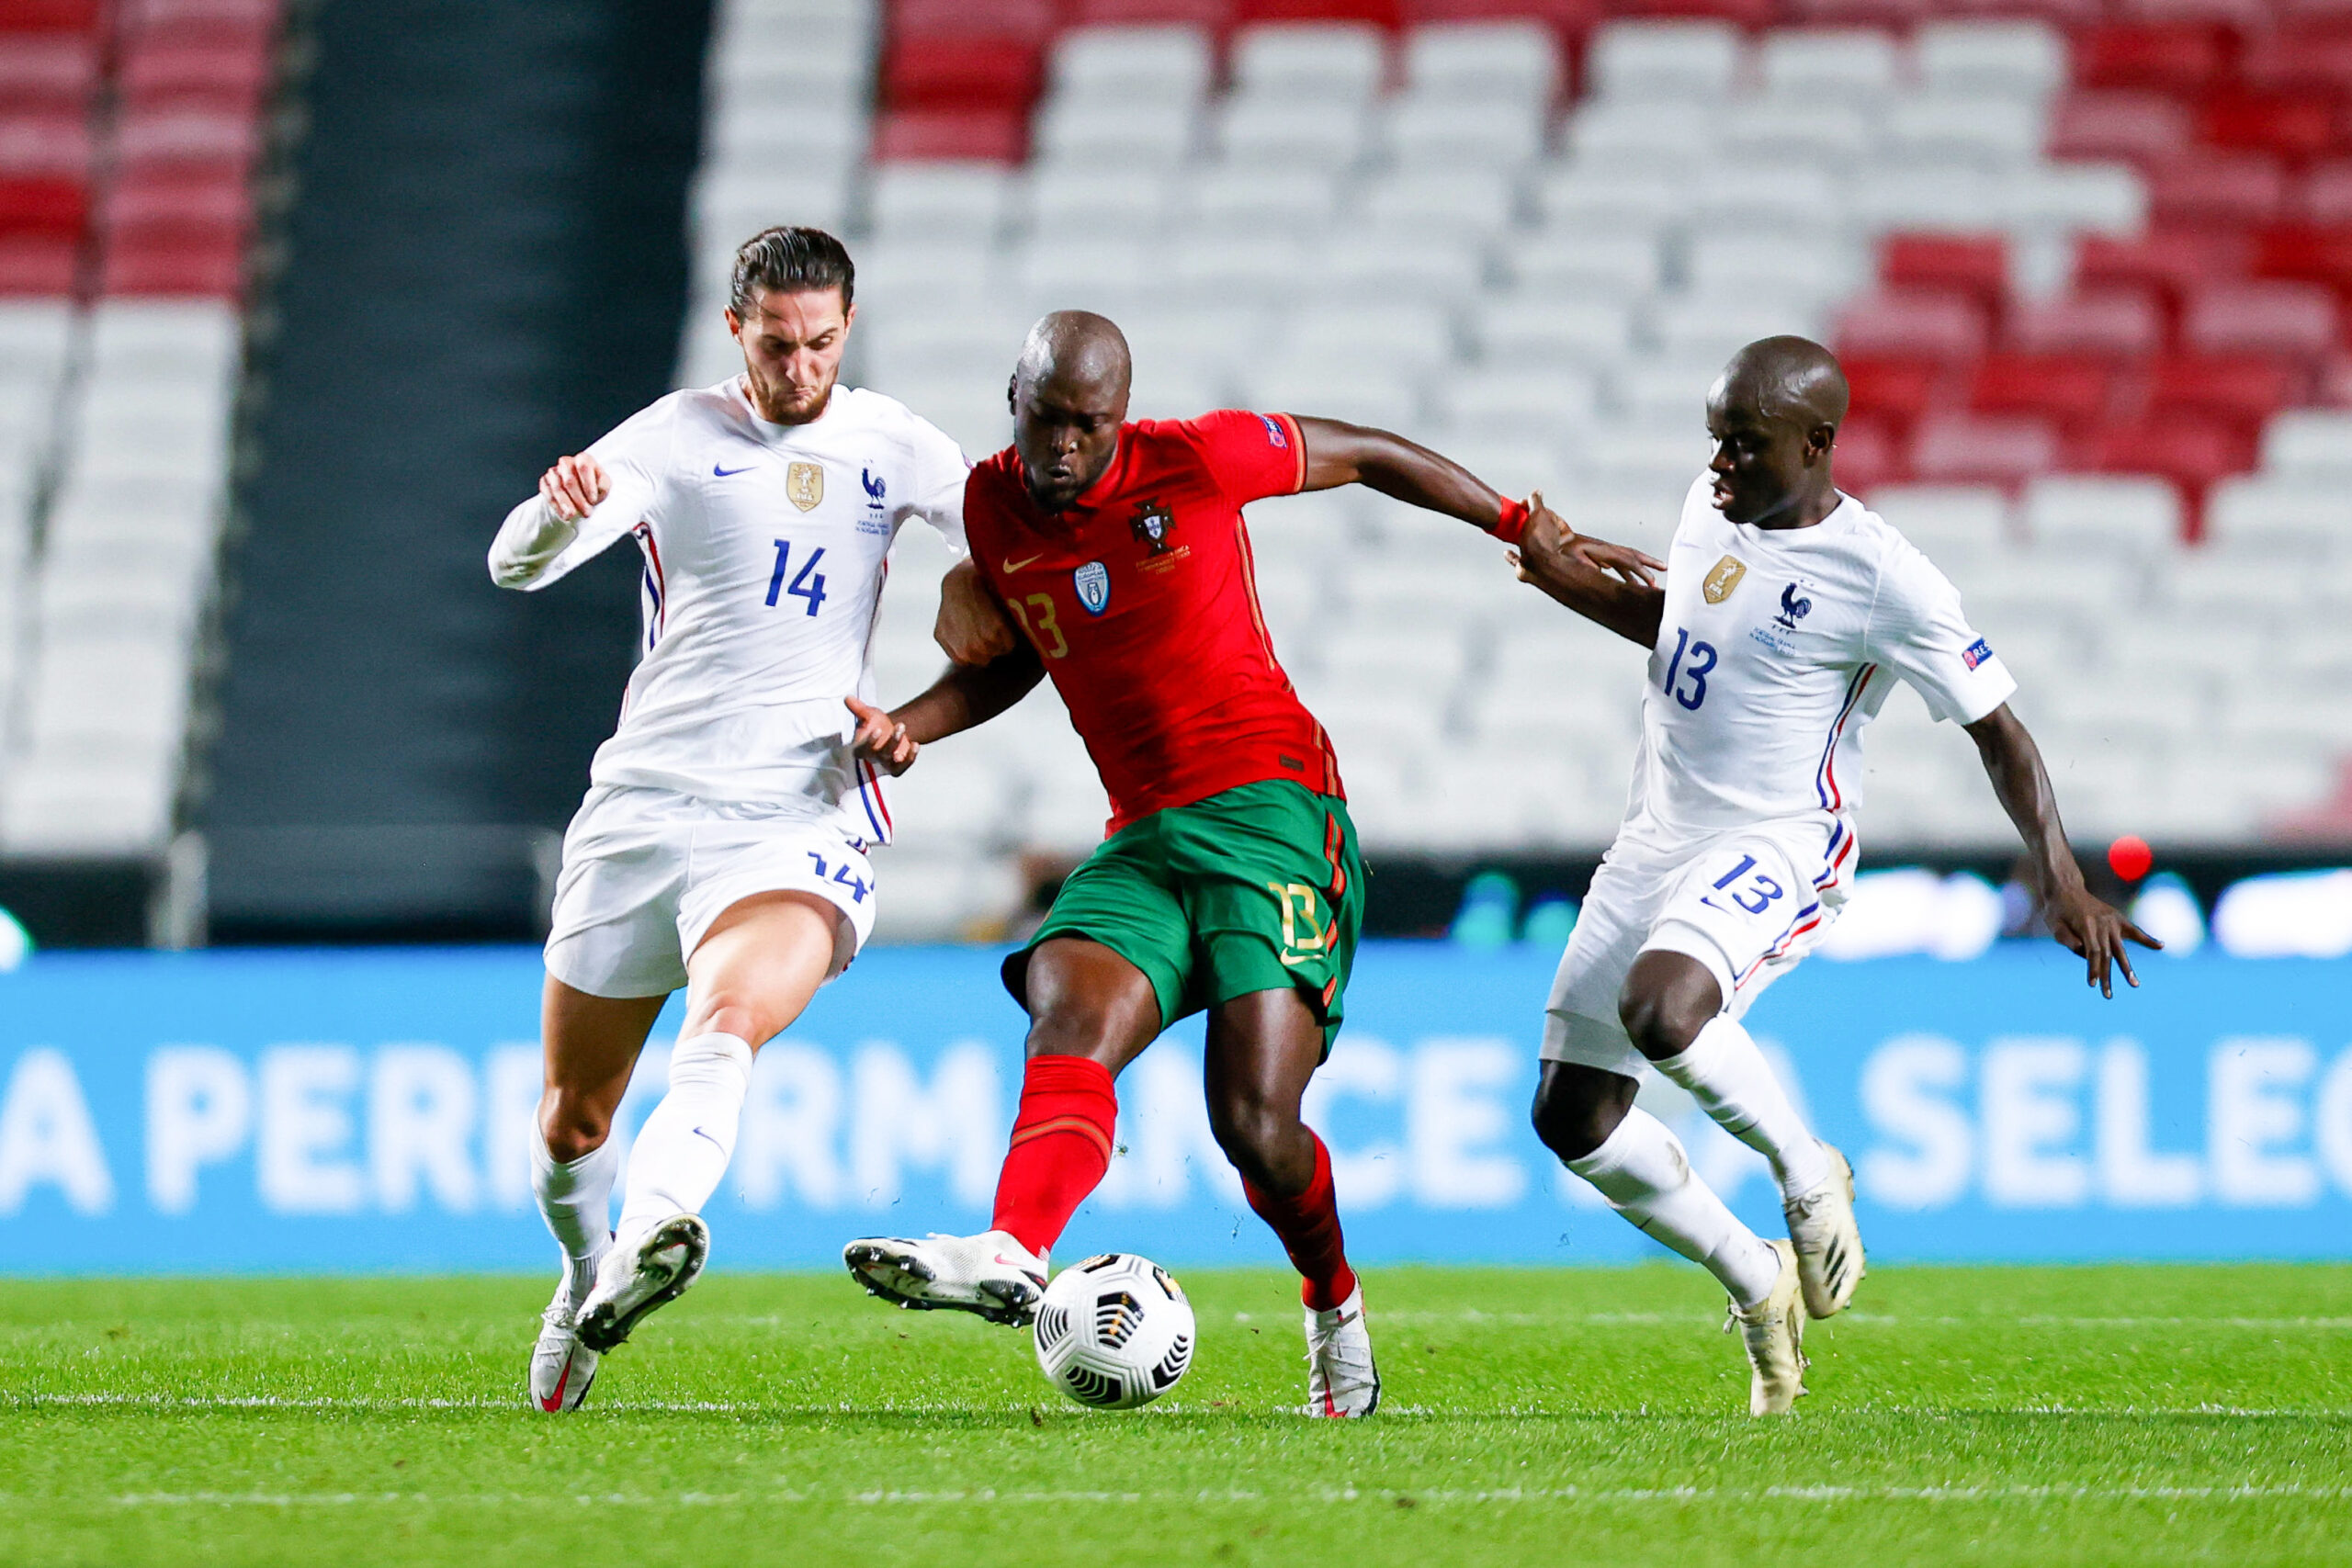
x: 1152, y: 522
x: 804, y: 483
x: 1722, y: 578
x: 1092, y: 581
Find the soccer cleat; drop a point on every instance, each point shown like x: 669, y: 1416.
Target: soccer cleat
x: 634, y: 1280
x: 1827, y: 1240
x: 989, y: 1274
x: 562, y: 1367
x: 1773, y: 1330
x: 1341, y: 1380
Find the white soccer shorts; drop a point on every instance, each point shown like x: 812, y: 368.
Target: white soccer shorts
x: 1747, y: 904
x: 646, y: 872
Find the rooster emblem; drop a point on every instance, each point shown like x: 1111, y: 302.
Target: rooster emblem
x: 1793, y: 608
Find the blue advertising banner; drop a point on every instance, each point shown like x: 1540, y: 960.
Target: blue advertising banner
x: 369, y: 1110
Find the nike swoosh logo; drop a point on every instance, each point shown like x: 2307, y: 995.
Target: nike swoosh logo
x: 1013, y: 566
x: 717, y: 472
x: 554, y: 1401
x: 714, y: 1142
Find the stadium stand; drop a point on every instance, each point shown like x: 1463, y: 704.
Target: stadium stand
x: 127, y: 140
x: 2087, y: 268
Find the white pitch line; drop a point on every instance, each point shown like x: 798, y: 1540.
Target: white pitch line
x: 1609, y: 1496
x: 1873, y: 1319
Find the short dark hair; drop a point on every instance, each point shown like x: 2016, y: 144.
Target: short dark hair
x: 792, y: 259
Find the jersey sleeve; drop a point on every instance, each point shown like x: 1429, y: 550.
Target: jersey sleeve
x: 531, y: 551
x: 1253, y: 455
x: 938, y: 470
x: 1916, y: 629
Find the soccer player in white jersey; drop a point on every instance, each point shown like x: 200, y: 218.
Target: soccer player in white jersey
x: 1788, y: 612
x: 722, y: 843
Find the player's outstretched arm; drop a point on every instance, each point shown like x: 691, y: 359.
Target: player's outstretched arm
x: 543, y: 527
x: 967, y: 696
x: 1608, y: 585
x: 2084, y: 924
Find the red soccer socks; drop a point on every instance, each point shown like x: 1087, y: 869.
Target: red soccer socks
x: 1061, y: 1146
x: 1309, y: 1227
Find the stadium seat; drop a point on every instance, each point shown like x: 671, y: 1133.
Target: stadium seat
x: 990, y: 136
x: 2015, y: 59
x: 1291, y: 134
x: 2218, y: 189
x: 1974, y: 265
x: 2110, y: 323
x: 1136, y: 65
x: 1965, y: 449
x: 1577, y: 201
x: 1792, y: 206
x: 1833, y: 135
x: 1891, y: 391
x: 1447, y: 134
x: 1616, y: 268
x: 2069, y: 392
x: 47, y: 71
x: 2174, y: 261
x: 2114, y: 518
x: 1946, y: 521
x: 2179, y: 58
x: 1514, y: 63
x: 1113, y: 137
x: 1917, y: 325
x: 1663, y: 60
x: 1337, y: 64
x: 1534, y: 332
x: 2243, y: 390
x: 2293, y: 126
x: 2309, y: 446
x: 943, y: 201
x: 2290, y: 320
x: 1996, y: 134
x: 2142, y: 126
x: 1646, y: 137
x: 2191, y: 453
x: 2281, y: 518
x: 1852, y: 65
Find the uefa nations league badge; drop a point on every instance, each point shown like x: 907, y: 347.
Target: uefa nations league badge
x: 1092, y: 581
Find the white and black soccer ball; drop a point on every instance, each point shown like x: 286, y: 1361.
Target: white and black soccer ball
x: 1115, y: 1331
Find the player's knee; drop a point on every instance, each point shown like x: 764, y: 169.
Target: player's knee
x: 730, y: 1013
x: 574, y: 1126
x: 1664, y: 1005
x: 1256, y: 1135
x: 1576, y: 1109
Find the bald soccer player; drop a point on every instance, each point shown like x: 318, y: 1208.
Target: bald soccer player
x: 1229, y: 880
x: 1789, y: 612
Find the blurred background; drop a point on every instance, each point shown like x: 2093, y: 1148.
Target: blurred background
x: 295, y: 300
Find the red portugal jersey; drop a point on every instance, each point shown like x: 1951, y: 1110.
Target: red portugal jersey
x: 1143, y: 602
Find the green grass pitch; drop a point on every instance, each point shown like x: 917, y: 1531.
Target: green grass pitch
x: 2141, y: 1415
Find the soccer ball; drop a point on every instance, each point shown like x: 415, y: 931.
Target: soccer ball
x: 1115, y: 1331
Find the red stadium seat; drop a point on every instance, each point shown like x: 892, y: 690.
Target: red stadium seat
x: 2062, y: 13
x: 1031, y: 21
x: 961, y: 74
x: 2072, y: 393
x: 48, y: 15
x: 2241, y: 15
x: 2239, y: 391
x: 1740, y: 13
x: 1868, y: 455
x: 2189, y: 453
x: 47, y: 146
x: 1891, y: 392
x: 2326, y: 195
x: 2172, y: 261
x: 177, y: 269
x: 1974, y: 265
x: 2309, y: 254
x: 1967, y: 449
x: 1571, y: 19
x: 2284, y: 321
x: 1209, y: 16
x: 37, y: 264
x: 189, y: 142
x: 1914, y: 324
x: 2299, y: 60
x: 57, y: 209
x: 2179, y: 57
x: 989, y: 136
x: 1380, y: 13
x: 2218, y: 189
x: 47, y: 70
x: 227, y: 80
x: 2297, y: 125
x: 2104, y: 323
x: 2140, y: 126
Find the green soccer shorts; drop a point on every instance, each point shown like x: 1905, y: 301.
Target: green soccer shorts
x: 1258, y: 888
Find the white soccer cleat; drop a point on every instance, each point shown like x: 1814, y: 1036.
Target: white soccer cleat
x: 562, y: 1367
x: 635, y: 1280
x: 1342, y: 1381
x: 1773, y: 1331
x: 989, y: 1274
x: 1828, y: 1240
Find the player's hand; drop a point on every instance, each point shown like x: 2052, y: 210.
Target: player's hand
x: 971, y: 628
x: 575, y: 486
x: 1554, y: 545
x: 881, y: 739
x: 2095, y: 931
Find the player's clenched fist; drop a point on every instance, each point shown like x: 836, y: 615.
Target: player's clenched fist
x: 574, y: 487
x: 881, y: 739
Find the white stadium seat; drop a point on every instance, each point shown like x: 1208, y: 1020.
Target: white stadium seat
x: 1695, y: 61
x: 1530, y: 331
x: 2309, y: 446
x: 1517, y: 63
x: 1133, y: 65
x: 1646, y: 137
x: 1331, y: 64
x: 1424, y: 130
x: 1290, y: 133
x: 1574, y: 264
x: 2022, y: 60
x: 1813, y: 63
x: 2112, y: 516
x: 920, y: 202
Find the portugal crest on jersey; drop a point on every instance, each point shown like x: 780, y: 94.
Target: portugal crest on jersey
x: 1152, y: 522
x: 1722, y: 578
x: 1092, y: 582
x: 804, y: 483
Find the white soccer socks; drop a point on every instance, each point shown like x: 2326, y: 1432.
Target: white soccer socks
x: 682, y: 1151
x: 1646, y: 1177
x: 1733, y: 1083
x: 576, y: 1200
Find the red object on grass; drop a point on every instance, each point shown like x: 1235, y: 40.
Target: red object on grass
x: 2130, y: 858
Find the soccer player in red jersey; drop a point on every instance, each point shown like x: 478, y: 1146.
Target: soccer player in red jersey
x: 1229, y: 881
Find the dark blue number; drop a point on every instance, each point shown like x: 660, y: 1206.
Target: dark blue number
x: 804, y: 584
x: 858, y: 886
x: 1697, y: 672
x: 820, y: 863
x: 1766, y: 890
x: 809, y: 588
x: 1747, y: 863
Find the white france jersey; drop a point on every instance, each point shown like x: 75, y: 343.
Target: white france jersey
x: 765, y: 546
x: 1776, y: 645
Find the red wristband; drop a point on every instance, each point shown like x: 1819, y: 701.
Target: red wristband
x: 1513, y: 525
